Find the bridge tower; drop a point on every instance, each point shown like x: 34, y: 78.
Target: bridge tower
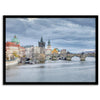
x: 82, y: 57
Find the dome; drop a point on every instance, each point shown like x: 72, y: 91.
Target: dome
x: 57, y: 49
x: 15, y: 40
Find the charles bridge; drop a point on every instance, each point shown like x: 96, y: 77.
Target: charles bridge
x: 69, y: 56
x: 81, y: 56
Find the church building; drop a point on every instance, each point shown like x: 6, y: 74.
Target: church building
x: 48, y: 50
x: 13, y: 49
x: 41, y: 44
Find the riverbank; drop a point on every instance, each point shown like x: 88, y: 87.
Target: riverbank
x: 14, y: 66
x: 12, y: 63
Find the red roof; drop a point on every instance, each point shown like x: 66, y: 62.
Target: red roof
x: 12, y: 44
x: 8, y: 44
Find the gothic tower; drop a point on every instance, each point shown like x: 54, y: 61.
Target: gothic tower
x: 41, y: 43
x: 49, y: 45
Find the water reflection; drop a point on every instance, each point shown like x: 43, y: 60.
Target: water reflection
x: 54, y: 71
x: 41, y: 66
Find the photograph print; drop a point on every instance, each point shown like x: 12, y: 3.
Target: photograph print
x: 50, y: 50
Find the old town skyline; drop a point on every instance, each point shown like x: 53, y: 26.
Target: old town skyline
x: 50, y: 49
x: 75, y: 35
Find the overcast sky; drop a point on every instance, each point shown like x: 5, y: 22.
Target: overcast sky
x: 72, y: 34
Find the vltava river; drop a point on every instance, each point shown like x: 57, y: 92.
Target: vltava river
x: 54, y: 71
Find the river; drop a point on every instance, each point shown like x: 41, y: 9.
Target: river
x: 54, y: 71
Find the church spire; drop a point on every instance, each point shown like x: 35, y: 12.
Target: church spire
x: 49, y: 43
x: 41, y: 39
x: 41, y: 43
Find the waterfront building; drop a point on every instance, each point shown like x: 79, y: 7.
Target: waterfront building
x: 63, y: 54
x: 36, y: 52
x: 29, y: 51
x: 58, y: 50
x: 55, y: 52
x: 32, y: 52
x: 63, y: 51
x: 13, y: 49
x: 21, y: 51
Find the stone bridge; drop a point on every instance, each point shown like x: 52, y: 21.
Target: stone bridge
x: 69, y: 56
x: 82, y: 56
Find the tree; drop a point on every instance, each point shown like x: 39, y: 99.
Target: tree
x: 15, y: 54
x: 41, y: 57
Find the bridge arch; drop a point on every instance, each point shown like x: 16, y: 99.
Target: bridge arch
x: 75, y: 58
x: 82, y: 56
x: 90, y: 58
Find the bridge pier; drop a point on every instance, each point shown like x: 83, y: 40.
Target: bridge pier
x: 68, y: 58
x: 82, y: 56
x: 82, y: 59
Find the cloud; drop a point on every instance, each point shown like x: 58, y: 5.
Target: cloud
x: 27, y: 19
x: 89, y: 49
x: 72, y: 34
x: 31, y: 19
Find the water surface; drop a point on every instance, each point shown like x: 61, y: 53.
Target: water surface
x: 54, y: 71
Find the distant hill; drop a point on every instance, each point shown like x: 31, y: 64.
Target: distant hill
x: 89, y: 51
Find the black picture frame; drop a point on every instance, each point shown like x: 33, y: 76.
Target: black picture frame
x: 50, y: 16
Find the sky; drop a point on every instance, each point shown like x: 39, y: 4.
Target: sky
x: 73, y: 34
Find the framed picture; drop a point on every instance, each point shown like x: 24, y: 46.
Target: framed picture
x: 50, y: 50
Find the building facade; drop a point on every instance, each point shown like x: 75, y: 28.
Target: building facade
x: 63, y: 53
x: 13, y: 49
x: 29, y: 51
x: 36, y: 52
x: 48, y: 51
